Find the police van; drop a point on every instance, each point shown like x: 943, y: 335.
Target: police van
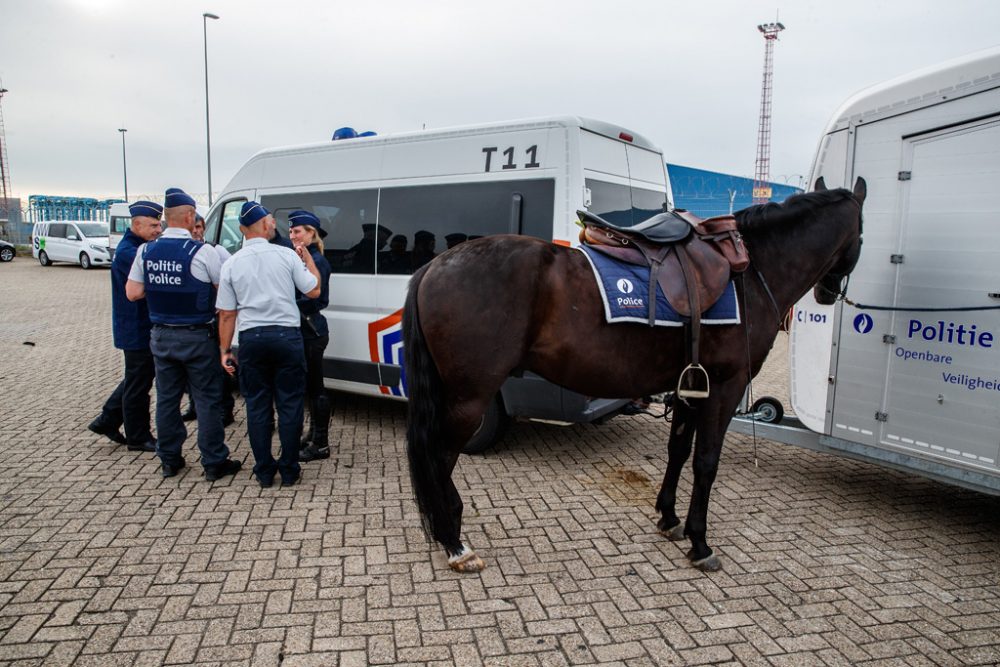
x: 908, y: 374
x: 392, y: 203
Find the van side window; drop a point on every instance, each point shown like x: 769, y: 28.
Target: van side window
x: 622, y: 205
x: 418, y: 223
x: 348, y: 218
x: 57, y: 230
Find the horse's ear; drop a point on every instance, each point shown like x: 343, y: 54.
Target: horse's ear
x: 820, y: 185
x: 860, y: 190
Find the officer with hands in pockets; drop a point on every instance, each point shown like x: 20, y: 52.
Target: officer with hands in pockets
x: 178, y: 277
x: 129, y: 403
x: 257, y: 294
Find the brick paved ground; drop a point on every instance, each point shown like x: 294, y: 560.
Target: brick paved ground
x: 102, y: 562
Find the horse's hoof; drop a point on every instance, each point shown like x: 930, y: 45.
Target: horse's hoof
x: 466, y: 561
x: 709, y: 563
x: 674, y: 534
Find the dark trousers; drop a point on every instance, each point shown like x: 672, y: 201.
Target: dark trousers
x: 128, y: 404
x: 272, y: 377
x: 184, y: 357
x: 314, y: 348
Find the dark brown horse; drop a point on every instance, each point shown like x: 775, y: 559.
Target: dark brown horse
x: 505, y: 304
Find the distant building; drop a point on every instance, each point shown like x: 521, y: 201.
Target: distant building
x: 708, y: 193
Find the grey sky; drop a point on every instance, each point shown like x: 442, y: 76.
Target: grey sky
x: 685, y: 74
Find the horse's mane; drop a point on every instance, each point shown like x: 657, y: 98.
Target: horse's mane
x: 771, y: 217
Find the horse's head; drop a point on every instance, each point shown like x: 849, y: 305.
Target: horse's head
x: 833, y: 284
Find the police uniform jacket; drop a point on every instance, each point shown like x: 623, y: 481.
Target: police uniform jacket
x: 129, y: 319
x: 313, y: 322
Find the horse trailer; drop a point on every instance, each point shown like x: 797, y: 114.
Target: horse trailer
x: 905, y: 372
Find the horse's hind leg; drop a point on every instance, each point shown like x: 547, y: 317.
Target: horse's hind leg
x: 678, y: 449
x: 460, y: 424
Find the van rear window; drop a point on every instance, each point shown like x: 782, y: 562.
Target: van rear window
x: 623, y: 205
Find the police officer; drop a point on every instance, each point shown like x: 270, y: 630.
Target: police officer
x: 228, y: 386
x: 257, y: 293
x: 129, y: 402
x: 305, y: 229
x: 177, y: 276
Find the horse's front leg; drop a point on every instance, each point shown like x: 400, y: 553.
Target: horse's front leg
x: 682, y: 429
x: 713, y: 420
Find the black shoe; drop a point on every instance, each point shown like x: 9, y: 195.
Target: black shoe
x: 220, y: 470
x: 171, y: 469
x: 290, y: 481
x: 312, y: 453
x: 266, y: 480
x: 113, y: 434
x: 228, y: 419
x: 148, y: 446
x: 190, y: 415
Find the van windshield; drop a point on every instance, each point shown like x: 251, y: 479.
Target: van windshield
x: 93, y: 229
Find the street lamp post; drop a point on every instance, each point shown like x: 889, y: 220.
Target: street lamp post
x: 208, y: 134
x: 124, y: 165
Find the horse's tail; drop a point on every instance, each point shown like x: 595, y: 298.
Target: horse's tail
x: 424, y: 448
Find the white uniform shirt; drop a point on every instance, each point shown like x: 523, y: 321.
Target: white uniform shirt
x: 259, y: 282
x: 205, y: 265
x: 222, y: 253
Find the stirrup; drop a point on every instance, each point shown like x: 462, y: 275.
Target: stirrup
x: 685, y: 394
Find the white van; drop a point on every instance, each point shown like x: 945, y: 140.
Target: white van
x: 82, y: 242
x: 119, y: 220
x: 909, y: 376
x: 391, y: 203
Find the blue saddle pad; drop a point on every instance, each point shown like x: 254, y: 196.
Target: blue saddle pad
x: 625, y: 291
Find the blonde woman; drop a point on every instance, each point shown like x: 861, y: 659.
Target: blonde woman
x: 305, y: 229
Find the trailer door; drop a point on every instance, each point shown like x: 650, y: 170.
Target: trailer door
x: 943, y: 391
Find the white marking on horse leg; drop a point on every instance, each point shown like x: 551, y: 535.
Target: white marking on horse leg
x: 466, y: 560
x: 709, y: 563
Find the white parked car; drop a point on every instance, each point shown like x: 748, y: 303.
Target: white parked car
x: 81, y: 242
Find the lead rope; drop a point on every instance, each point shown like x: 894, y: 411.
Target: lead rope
x: 746, y: 332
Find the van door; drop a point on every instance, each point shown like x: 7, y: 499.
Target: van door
x: 222, y: 227
x: 55, y: 242
x: 613, y: 193
x: 943, y: 382
x: 73, y: 244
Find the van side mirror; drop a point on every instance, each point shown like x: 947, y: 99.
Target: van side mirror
x: 72, y: 237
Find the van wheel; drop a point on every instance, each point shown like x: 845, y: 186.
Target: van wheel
x: 84, y: 260
x: 495, y: 423
x: 43, y: 259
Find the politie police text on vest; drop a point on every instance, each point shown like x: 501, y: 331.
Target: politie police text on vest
x: 164, y: 272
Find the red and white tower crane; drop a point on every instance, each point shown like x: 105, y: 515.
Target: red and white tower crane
x: 762, y: 172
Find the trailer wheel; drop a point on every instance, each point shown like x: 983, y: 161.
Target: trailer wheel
x: 495, y: 422
x: 768, y: 410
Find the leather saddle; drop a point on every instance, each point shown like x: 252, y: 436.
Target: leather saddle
x: 689, y: 258
x: 713, y: 247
